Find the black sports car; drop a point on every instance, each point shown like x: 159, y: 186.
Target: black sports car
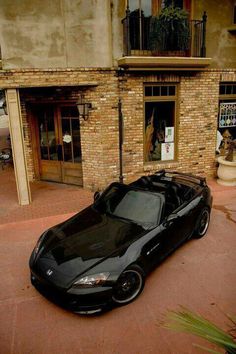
x: 100, y: 256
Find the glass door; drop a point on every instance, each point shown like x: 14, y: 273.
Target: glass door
x: 59, y: 146
x: 71, y: 145
x: 49, y: 157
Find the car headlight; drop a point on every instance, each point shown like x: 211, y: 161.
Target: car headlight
x: 39, y: 243
x: 91, y: 280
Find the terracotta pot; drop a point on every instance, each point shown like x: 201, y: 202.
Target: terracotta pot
x: 226, y: 172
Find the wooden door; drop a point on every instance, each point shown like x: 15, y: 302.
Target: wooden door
x: 71, y: 164
x: 59, y: 147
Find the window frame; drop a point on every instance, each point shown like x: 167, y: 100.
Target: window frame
x: 151, y: 99
x: 225, y: 98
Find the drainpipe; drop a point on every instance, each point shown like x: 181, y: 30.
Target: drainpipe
x: 121, y: 177
x: 203, y: 49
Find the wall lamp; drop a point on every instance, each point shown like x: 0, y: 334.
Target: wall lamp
x: 83, y: 108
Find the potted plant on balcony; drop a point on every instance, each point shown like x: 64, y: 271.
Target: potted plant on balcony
x: 227, y: 166
x: 170, y: 32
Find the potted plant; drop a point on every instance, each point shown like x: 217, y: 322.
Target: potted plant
x: 170, y: 32
x: 190, y: 322
x: 227, y: 166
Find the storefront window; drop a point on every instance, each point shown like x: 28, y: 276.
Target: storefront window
x: 160, y: 108
x: 227, y: 110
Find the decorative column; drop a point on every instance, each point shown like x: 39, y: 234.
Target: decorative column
x: 17, y: 144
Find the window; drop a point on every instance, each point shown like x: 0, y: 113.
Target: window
x: 143, y: 6
x: 142, y: 21
x: 228, y: 89
x: 227, y: 117
x: 227, y: 110
x: 159, y: 125
x: 151, y: 7
x: 174, y: 3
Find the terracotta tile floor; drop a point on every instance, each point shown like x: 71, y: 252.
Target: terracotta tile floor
x: 201, y: 275
x: 48, y: 199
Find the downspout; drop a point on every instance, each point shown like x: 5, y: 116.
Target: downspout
x: 121, y: 133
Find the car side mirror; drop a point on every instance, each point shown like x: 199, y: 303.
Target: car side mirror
x: 96, y: 196
x: 170, y: 219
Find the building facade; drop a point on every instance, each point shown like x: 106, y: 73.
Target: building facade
x: 152, y: 101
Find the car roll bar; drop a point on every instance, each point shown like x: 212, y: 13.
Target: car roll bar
x: 197, y: 179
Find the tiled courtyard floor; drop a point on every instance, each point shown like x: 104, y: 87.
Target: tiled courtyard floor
x: 48, y: 199
x: 201, y: 275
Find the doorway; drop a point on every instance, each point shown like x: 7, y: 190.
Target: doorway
x: 57, y: 128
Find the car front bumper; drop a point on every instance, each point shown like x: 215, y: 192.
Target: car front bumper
x: 82, y: 301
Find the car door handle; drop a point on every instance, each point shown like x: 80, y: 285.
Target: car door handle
x: 153, y: 248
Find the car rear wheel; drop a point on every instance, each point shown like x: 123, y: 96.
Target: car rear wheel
x: 129, y: 285
x: 202, y: 223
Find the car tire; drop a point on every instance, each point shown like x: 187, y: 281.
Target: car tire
x: 129, y: 285
x: 202, y: 223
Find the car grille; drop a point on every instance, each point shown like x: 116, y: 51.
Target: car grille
x: 62, y: 298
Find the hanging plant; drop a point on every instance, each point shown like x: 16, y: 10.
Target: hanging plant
x: 170, y: 30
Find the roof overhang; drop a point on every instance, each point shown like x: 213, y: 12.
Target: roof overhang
x: 148, y: 63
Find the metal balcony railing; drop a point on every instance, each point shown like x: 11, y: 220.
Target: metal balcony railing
x: 139, y: 37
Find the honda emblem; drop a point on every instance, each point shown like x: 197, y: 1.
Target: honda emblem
x: 49, y: 272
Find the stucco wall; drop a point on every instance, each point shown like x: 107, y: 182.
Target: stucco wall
x: 220, y: 43
x: 59, y: 33
x: 88, y: 33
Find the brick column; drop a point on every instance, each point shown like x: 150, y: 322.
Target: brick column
x: 17, y: 143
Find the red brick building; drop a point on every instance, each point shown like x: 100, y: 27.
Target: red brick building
x: 169, y: 97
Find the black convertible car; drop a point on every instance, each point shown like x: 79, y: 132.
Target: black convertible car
x: 100, y: 257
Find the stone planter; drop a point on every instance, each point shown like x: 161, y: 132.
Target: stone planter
x: 226, y: 172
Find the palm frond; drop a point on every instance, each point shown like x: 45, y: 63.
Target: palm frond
x: 190, y: 322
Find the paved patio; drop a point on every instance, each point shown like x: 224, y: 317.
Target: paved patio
x: 201, y: 275
x: 48, y: 199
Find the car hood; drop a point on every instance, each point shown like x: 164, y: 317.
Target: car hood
x: 78, y: 244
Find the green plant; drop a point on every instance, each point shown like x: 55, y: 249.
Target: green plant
x: 190, y: 322
x: 170, y: 30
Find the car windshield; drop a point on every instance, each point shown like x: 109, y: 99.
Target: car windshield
x: 141, y: 207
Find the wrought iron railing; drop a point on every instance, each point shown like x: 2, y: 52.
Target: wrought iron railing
x: 138, y: 37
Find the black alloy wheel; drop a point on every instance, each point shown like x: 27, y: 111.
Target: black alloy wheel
x: 129, y: 285
x: 202, y: 223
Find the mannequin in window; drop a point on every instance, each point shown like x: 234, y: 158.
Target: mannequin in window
x: 148, y: 137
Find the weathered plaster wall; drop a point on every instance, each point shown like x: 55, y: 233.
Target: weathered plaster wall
x: 59, y: 33
x: 220, y: 43
x: 118, y: 8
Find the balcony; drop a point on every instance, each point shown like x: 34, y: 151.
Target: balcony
x: 149, y: 45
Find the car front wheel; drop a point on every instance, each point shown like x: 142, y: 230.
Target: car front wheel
x: 202, y: 223
x: 129, y: 285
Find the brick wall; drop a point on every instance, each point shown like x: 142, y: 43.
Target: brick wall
x: 198, y: 95
x: 197, y: 111
x: 99, y: 135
